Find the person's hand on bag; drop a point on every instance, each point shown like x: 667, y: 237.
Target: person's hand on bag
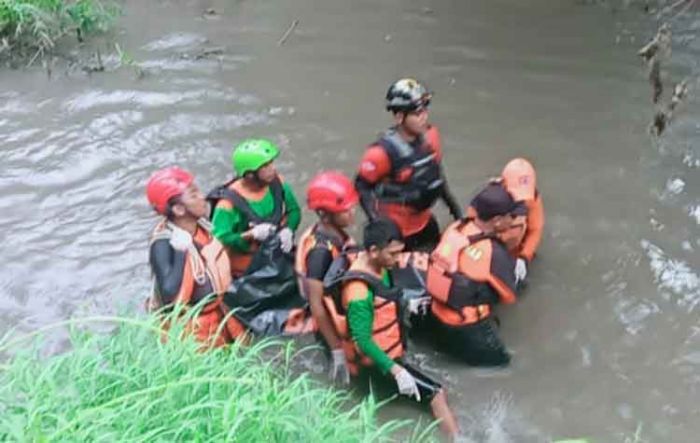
x: 286, y: 239
x: 262, y: 231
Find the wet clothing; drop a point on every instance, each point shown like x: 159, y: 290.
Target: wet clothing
x: 190, y: 276
x: 168, y: 266
x: 402, y: 180
x: 476, y: 344
x: 275, y: 204
x: 384, y: 386
x: 469, y: 272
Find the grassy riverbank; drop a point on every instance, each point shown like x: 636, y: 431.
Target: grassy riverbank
x: 30, y: 27
x: 129, y: 386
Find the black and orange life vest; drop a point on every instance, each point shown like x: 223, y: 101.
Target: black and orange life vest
x: 206, y: 271
x: 311, y: 238
x: 236, y: 195
x: 459, y: 267
x: 386, y: 327
x: 415, y: 178
x: 234, y: 192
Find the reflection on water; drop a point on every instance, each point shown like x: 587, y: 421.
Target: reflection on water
x: 606, y: 337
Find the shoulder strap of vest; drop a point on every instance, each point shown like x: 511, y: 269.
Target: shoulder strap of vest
x: 221, y: 192
x: 375, y: 284
x: 238, y: 201
x: 160, y: 232
x: 395, y: 146
x: 278, y: 198
x: 475, y: 237
x: 399, y: 151
x: 480, y: 236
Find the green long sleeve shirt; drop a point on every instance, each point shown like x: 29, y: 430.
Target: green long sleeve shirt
x: 229, y: 222
x: 360, y: 315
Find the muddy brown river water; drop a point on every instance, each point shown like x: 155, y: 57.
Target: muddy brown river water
x: 606, y: 339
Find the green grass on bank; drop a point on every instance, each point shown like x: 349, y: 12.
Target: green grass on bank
x: 28, y: 26
x: 129, y: 386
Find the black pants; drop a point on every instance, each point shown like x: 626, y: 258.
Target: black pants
x: 477, y: 344
x: 384, y: 385
x: 424, y: 240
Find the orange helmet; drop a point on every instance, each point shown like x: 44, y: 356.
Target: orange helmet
x: 520, y: 179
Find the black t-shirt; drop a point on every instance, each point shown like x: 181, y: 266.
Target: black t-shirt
x: 318, y: 260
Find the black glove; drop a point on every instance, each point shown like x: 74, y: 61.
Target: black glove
x: 367, y: 199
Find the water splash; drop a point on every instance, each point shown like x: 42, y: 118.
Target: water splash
x: 673, y: 277
x: 499, y: 422
x: 694, y: 213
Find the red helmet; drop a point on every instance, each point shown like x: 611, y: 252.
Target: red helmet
x: 165, y: 184
x: 331, y: 191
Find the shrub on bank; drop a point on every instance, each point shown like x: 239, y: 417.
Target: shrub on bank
x: 131, y: 386
x: 36, y: 25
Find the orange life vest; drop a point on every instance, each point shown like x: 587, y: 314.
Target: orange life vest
x: 386, y: 327
x: 206, y: 267
x: 463, y: 257
x: 310, y: 239
x: 235, y: 194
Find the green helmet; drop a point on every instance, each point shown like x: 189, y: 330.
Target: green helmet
x: 251, y: 154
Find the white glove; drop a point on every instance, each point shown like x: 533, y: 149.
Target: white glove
x: 520, y: 270
x: 339, y: 367
x: 262, y: 231
x: 419, y: 306
x: 407, y: 384
x: 180, y: 239
x: 286, y: 239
